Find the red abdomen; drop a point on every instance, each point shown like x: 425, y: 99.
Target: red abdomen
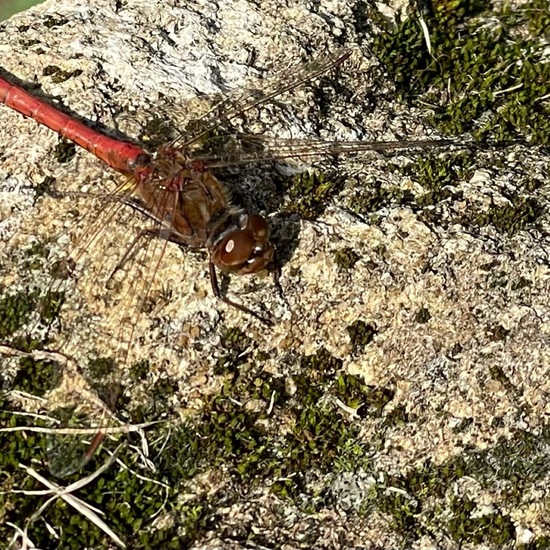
x: 120, y: 155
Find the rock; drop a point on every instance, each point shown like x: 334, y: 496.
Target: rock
x: 454, y: 290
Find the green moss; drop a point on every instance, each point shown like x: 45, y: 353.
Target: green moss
x: 67, y: 454
x: 258, y: 431
x: 100, y: 368
x: 492, y: 528
x: 157, y: 405
x: 422, y: 316
x: 129, y: 503
x: 50, y: 306
x: 475, y: 68
x: 542, y: 543
x: 320, y: 365
x: 14, y: 311
x: 537, y: 16
x: 35, y: 377
x: 308, y: 194
x: 237, y: 348
x: 509, y: 217
x: 236, y: 430
x: 438, y: 174
x: 361, y: 335
x: 403, y: 511
x: 50, y: 21
x: 64, y: 151
x: 417, y: 503
x: 409, y: 500
x: 35, y: 256
x: 371, y: 200
x: 519, y: 460
x: 102, y: 375
x: 346, y: 258
x: 140, y: 370
x: 45, y: 187
x: 58, y: 75
x: 369, y: 400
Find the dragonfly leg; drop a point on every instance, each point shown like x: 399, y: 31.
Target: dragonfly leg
x: 240, y: 307
x: 276, y: 269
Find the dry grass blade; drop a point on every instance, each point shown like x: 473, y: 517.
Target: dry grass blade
x: 80, y: 506
x: 36, y: 355
x: 127, y: 428
x: 26, y: 542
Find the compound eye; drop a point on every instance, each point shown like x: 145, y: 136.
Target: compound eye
x: 258, y: 226
x: 237, y: 248
x: 260, y: 248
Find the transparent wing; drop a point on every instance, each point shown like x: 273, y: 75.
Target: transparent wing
x: 245, y: 149
x: 104, y: 285
x: 124, y: 286
x: 242, y: 101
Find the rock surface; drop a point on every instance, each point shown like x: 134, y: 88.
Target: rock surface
x: 457, y: 312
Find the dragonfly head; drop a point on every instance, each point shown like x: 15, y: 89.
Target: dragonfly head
x: 246, y: 249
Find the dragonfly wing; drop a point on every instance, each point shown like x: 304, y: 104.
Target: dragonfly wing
x: 243, y: 100
x: 245, y: 149
x: 107, y: 285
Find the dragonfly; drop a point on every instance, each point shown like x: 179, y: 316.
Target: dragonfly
x: 176, y: 189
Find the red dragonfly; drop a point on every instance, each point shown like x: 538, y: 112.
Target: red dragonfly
x: 177, y: 190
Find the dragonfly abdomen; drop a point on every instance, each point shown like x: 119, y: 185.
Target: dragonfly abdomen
x: 120, y: 155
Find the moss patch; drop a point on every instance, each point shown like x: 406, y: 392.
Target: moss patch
x: 259, y: 429
x: 308, y: 194
x: 361, y: 335
x: 50, y: 21
x: 346, y: 258
x: 34, y: 377
x: 58, y: 75
x: 424, y: 501
x: 508, y: 218
x: 64, y: 151
x: 487, y: 528
x: 437, y: 174
x: 290, y: 435
x: 439, y: 201
x: 15, y: 310
x: 240, y: 427
x: 483, y: 62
